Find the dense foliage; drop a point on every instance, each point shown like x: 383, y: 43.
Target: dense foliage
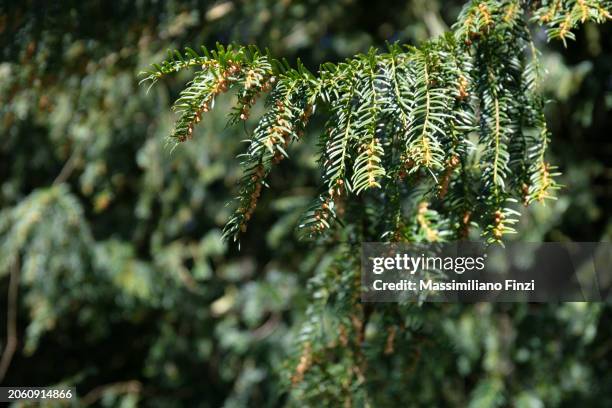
x: 114, y: 240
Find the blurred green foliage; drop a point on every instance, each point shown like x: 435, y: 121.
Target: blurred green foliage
x: 128, y: 292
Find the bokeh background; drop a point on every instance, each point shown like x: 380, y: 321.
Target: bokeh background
x: 127, y: 292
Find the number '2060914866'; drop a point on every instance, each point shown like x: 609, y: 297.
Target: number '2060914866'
x: 11, y: 394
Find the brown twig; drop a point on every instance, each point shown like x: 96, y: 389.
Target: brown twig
x: 125, y: 387
x: 267, y: 328
x: 68, y: 167
x: 11, y: 320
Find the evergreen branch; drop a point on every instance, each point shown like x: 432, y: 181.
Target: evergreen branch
x: 428, y: 118
x: 399, y: 115
x: 367, y: 168
x: 561, y: 17
x: 283, y: 124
